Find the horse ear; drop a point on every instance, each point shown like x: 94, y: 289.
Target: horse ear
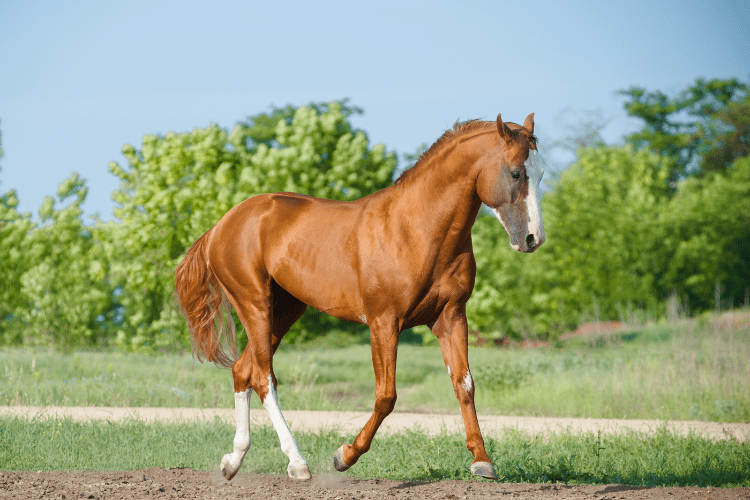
x: 502, y: 129
x: 528, y: 124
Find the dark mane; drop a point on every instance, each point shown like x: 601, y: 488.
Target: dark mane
x: 459, y: 129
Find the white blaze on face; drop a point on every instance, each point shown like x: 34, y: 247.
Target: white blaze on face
x: 534, y: 171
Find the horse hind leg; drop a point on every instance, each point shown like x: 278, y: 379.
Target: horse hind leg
x: 286, y: 312
x: 231, y: 462
x: 242, y: 372
x: 253, y: 371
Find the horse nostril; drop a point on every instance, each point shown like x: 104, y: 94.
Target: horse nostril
x: 530, y: 241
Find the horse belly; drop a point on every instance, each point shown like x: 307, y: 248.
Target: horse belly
x: 328, y: 288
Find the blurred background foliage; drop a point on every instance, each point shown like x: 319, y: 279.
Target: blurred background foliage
x: 664, y: 217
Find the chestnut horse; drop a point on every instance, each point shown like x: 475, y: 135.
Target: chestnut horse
x: 397, y: 258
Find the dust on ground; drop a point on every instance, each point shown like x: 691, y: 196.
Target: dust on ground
x: 187, y: 483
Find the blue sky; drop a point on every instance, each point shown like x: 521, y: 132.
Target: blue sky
x: 79, y: 79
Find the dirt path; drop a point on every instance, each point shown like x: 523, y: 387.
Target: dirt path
x: 352, y: 422
x: 188, y: 483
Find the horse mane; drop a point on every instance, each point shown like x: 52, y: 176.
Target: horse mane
x: 459, y: 130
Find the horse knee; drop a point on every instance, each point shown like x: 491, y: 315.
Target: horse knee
x: 464, y: 388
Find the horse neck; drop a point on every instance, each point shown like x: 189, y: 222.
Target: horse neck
x: 442, y: 193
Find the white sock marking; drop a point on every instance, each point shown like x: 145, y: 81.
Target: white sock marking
x: 242, y: 436
x: 533, y: 208
x: 288, y: 443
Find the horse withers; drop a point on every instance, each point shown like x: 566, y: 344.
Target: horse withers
x: 392, y: 260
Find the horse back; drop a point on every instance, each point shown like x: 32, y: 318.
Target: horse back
x: 306, y: 245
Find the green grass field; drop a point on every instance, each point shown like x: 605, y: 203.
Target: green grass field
x: 662, y: 459
x: 693, y: 370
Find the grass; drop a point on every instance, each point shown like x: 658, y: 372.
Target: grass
x: 692, y: 370
x: 662, y: 459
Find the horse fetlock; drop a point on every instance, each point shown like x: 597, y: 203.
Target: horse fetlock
x: 241, y: 445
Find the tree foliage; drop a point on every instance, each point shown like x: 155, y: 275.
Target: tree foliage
x: 726, y: 137
x: 599, y: 219
x: 14, y: 228
x: 706, y: 237
x: 675, y: 127
x: 54, y: 273
x: 69, y: 296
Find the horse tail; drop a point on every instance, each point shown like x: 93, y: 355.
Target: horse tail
x: 206, y: 308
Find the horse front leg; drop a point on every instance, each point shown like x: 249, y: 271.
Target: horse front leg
x: 384, y: 342
x: 452, y: 331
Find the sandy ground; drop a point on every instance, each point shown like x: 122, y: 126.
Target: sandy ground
x: 188, y: 483
x: 352, y: 422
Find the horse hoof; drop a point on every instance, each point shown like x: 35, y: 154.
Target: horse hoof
x: 227, y: 469
x: 301, y: 472
x: 338, y: 460
x: 483, y: 469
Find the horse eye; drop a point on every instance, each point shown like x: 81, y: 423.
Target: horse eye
x: 515, y: 175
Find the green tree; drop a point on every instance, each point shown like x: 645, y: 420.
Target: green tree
x: 707, y: 238
x: 54, y: 274
x: 727, y: 137
x: 68, y: 298
x: 14, y: 230
x: 674, y: 126
x: 177, y: 186
x: 601, y: 220
x: 602, y: 227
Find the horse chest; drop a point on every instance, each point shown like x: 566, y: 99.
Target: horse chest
x: 453, y: 285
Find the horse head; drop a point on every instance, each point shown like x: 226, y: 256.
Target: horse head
x: 508, y: 183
